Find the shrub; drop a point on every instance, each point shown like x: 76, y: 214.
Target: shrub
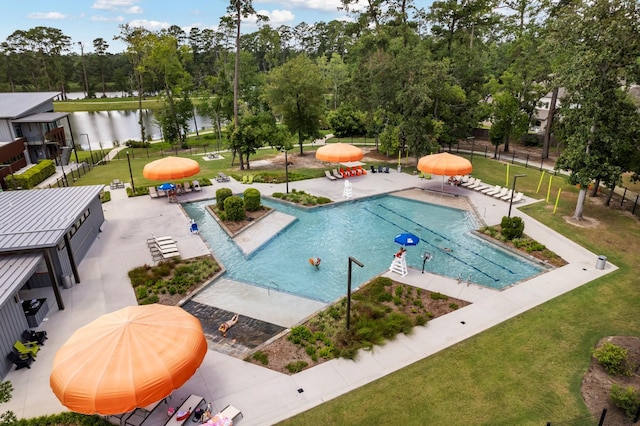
x: 296, y: 367
x: 221, y: 195
x: 438, y: 296
x: 300, y: 334
x: 234, y: 208
x: 627, y: 399
x: 612, y: 358
x: 512, y: 227
x: 261, y: 357
x: 252, y: 199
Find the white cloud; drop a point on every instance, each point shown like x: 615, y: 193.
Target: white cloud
x: 47, y: 15
x: 134, y: 10
x: 113, y: 4
x: 276, y: 17
x: 99, y: 18
x: 323, y: 5
x: 149, y: 25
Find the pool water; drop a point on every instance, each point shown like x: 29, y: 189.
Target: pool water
x: 364, y: 229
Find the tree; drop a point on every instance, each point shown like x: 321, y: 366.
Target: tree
x: 254, y: 131
x: 596, y: 47
x: 296, y: 92
x: 100, y: 47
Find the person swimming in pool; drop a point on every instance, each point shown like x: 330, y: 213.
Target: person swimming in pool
x: 447, y: 249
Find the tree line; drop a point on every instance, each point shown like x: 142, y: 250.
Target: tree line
x: 414, y: 78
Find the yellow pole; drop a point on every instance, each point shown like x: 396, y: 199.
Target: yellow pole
x: 549, y: 189
x: 557, y: 199
x: 399, y: 156
x: 507, y: 180
x: 540, y: 183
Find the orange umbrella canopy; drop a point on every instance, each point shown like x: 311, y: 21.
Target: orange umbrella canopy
x: 169, y: 168
x: 127, y: 359
x: 445, y: 164
x: 339, y: 153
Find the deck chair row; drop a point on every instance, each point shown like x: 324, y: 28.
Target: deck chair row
x: 163, y: 248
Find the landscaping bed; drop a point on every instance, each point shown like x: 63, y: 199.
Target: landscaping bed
x: 380, y: 310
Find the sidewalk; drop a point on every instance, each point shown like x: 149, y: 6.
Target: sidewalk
x: 264, y: 396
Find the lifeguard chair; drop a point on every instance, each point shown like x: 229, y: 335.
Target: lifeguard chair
x: 399, y: 264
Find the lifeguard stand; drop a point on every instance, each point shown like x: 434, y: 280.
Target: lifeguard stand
x: 399, y: 264
x: 348, y: 190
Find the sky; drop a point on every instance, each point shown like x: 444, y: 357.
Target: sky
x: 86, y: 20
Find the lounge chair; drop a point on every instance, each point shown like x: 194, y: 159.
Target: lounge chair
x: 161, y: 193
x: 386, y: 169
x: 29, y: 348
x: 336, y: 174
x: 470, y: 181
x: 507, y: 196
x: 380, y: 169
x: 476, y: 184
x: 160, y: 240
x: 328, y: 175
x: 187, y: 187
x: 230, y: 412
x: 34, y: 336
x: 492, y: 190
x: 20, y: 360
x: 502, y: 193
x: 153, y: 192
x: 250, y: 179
x: 518, y: 197
x: 196, y: 186
x: 361, y: 170
x: 344, y: 173
x: 373, y: 169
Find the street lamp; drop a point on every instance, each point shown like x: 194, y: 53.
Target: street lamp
x: 513, y: 190
x: 351, y: 260
x: 473, y: 143
x: 133, y: 187
x: 89, y: 143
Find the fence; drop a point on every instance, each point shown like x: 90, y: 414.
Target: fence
x: 622, y: 198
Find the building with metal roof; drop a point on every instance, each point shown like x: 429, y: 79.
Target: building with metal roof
x: 44, y: 234
x: 31, y: 131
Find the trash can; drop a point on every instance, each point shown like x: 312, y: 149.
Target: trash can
x: 67, y: 281
x: 601, y: 262
x: 399, y: 168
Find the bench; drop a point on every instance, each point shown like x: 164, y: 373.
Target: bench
x: 189, y: 405
x: 230, y: 412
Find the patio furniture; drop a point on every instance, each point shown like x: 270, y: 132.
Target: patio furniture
x: 187, y: 187
x: 507, y: 196
x: 222, y: 177
x: 189, y: 405
x: 336, y: 174
x: 20, y: 360
x: 230, y: 412
x: 153, y: 192
x: 116, y: 184
x: 196, y: 186
x: 34, y: 336
x: 30, y: 348
x: 328, y: 175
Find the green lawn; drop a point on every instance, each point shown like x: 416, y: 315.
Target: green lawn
x: 527, y: 370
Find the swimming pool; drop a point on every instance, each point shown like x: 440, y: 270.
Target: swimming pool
x: 364, y: 229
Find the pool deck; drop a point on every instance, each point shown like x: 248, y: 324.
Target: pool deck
x: 264, y: 396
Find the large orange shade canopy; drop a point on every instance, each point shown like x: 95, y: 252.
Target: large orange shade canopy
x: 339, y: 153
x: 445, y: 164
x: 169, y: 168
x: 127, y: 359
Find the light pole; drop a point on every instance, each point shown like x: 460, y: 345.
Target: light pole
x: 513, y: 190
x: 64, y: 175
x: 133, y: 187
x: 473, y: 142
x: 351, y: 260
x: 89, y: 143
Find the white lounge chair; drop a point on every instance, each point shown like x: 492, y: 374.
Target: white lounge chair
x: 475, y: 184
x: 502, y: 193
x: 328, y: 175
x: 506, y: 195
x: 481, y: 186
x: 187, y: 187
x: 196, y: 186
x: 230, y: 412
x: 336, y: 174
x: 153, y: 192
x: 470, y: 181
x: 492, y: 190
x: 518, y: 197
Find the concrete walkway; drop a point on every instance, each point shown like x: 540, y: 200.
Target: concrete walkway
x: 264, y: 396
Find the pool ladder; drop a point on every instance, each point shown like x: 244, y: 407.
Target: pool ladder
x: 273, y: 284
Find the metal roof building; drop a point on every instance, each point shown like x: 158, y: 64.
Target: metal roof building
x: 44, y: 233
